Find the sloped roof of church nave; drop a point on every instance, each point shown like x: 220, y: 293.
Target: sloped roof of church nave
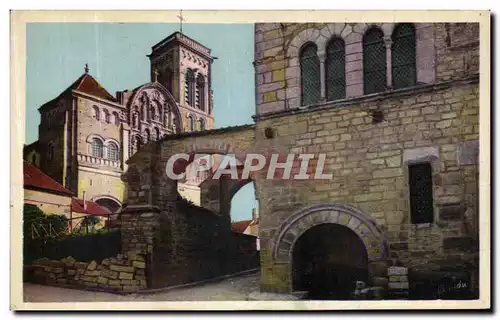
x: 89, y: 85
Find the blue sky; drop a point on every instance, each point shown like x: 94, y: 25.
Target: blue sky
x: 116, y: 55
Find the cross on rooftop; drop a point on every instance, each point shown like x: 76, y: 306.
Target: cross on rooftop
x: 181, y: 18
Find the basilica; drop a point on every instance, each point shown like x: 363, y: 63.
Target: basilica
x: 86, y: 134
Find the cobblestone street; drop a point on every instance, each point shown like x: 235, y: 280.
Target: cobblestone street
x: 234, y: 288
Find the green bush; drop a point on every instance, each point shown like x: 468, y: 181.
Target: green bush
x: 35, y: 217
x: 93, y: 246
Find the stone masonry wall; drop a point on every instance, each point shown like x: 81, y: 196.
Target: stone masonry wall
x: 436, y: 121
x: 369, y: 165
x: 444, y: 51
x: 123, y: 273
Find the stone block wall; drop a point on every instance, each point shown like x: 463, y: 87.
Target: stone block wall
x: 457, y: 50
x: 444, y: 51
x: 123, y: 273
x: 369, y: 162
x: 56, y: 113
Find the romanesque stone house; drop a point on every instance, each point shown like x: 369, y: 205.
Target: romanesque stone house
x: 394, y: 107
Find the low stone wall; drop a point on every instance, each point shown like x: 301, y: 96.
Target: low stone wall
x: 123, y: 273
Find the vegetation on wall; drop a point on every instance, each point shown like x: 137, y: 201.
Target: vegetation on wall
x: 46, y: 236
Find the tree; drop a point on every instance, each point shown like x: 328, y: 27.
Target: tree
x: 35, y: 218
x: 90, y: 222
x: 31, y: 215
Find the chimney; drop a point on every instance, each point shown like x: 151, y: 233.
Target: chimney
x: 84, y: 202
x: 255, y: 216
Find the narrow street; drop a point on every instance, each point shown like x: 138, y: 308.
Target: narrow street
x: 235, y: 288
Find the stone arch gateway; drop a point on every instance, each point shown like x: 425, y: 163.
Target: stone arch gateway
x: 351, y: 218
x: 345, y: 215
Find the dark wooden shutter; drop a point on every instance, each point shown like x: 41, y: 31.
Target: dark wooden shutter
x: 421, y: 202
x: 335, y: 70
x: 374, y: 61
x: 403, y: 56
x: 310, y: 75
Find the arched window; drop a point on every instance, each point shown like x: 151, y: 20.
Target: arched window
x: 190, y: 94
x: 106, y: 116
x: 97, y: 115
x: 190, y: 123
x: 310, y: 75
x: 50, y: 151
x: 153, y: 113
x: 374, y: 61
x: 335, y: 69
x: 112, y: 151
x: 156, y: 134
x: 136, y: 144
x: 200, y: 86
x: 116, y: 118
x: 202, y: 124
x: 97, y: 148
x: 147, y: 135
x: 403, y: 56
x: 49, y: 120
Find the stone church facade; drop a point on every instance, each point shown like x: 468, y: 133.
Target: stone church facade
x: 86, y: 135
x: 395, y: 109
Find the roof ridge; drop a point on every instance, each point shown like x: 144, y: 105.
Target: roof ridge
x: 81, y: 78
x: 49, y: 177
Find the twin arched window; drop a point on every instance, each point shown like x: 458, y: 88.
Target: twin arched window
x: 98, y: 149
x: 403, y: 71
x: 195, y: 90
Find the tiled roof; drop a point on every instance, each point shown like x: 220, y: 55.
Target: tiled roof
x: 37, y: 179
x: 92, y: 209
x: 86, y: 84
x: 185, y: 134
x: 240, y: 226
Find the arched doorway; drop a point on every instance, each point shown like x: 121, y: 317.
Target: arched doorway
x: 328, y: 259
x: 110, y: 204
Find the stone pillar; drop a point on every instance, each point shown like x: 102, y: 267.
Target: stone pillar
x: 388, y: 48
x: 322, y: 56
x: 125, y: 147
